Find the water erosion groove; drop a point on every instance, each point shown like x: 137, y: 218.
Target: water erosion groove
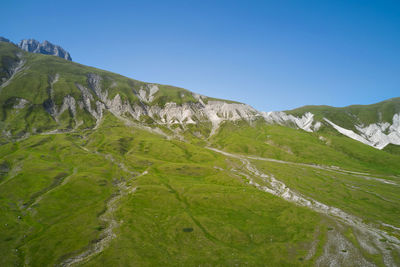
x: 368, y: 236
x: 182, y: 200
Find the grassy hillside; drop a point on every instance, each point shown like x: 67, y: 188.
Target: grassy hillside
x: 284, y: 143
x: 187, y: 208
x: 177, y: 203
x: 135, y: 193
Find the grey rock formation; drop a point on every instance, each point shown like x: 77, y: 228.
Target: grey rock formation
x: 47, y: 48
x: 95, y: 99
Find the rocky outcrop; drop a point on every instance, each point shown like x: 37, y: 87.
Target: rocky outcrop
x: 146, y: 93
x: 95, y: 100
x: 20, y: 103
x: 306, y: 122
x: 382, y: 134
x: 47, y: 48
x: 69, y: 102
x: 377, y: 135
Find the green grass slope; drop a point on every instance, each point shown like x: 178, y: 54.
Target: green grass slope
x: 284, y: 143
x: 187, y: 209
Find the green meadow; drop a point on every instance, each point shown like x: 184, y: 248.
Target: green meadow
x: 188, y: 209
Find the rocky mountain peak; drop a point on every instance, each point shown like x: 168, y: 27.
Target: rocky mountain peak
x: 47, y: 48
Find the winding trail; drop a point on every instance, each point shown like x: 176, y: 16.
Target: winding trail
x: 108, y: 233
x: 363, y: 175
x: 370, y: 238
x: 107, y: 217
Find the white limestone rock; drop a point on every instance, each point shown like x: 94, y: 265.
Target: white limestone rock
x: 305, y: 122
x: 21, y: 103
x: 146, y: 93
x: 348, y: 133
x: 377, y: 135
x: 382, y: 134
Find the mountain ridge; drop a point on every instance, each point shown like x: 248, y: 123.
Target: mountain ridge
x: 89, y: 91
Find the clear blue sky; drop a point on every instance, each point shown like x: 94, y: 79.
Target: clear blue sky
x: 273, y: 55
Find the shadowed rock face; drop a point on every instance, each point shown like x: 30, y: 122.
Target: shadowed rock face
x: 2, y: 39
x: 47, y: 48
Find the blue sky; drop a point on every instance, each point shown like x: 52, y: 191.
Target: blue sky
x: 273, y: 55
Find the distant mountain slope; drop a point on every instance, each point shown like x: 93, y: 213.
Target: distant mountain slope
x: 376, y: 125
x: 355, y: 114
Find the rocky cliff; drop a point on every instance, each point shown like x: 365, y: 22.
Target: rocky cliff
x: 47, y: 48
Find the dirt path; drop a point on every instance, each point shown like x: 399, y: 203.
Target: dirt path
x: 108, y: 233
x: 363, y: 175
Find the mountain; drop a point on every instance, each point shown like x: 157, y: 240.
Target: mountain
x: 376, y: 125
x: 74, y: 96
x: 47, y: 48
x: 100, y: 169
